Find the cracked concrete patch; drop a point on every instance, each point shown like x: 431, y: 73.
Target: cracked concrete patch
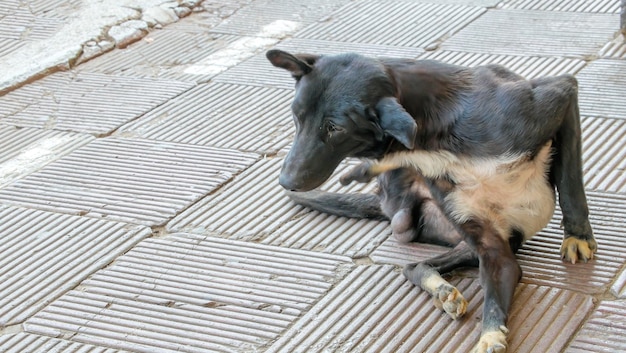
x: 61, y: 48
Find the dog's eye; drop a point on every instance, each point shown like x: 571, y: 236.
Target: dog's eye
x: 331, y: 127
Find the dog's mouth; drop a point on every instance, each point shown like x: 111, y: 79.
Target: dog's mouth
x: 297, y: 183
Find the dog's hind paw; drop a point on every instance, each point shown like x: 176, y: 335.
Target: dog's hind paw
x: 492, y: 342
x: 445, y: 296
x: 450, y: 300
x: 574, y: 249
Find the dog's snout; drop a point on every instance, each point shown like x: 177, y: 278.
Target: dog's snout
x: 287, y: 183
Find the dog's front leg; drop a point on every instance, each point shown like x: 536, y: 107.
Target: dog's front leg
x: 578, y: 242
x: 499, y: 275
x: 552, y: 93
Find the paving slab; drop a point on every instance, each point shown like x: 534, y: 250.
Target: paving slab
x: 604, y: 332
x: 136, y: 181
x: 82, y: 102
x: 375, y: 309
x: 25, y: 150
x: 614, y: 49
x: 258, y: 14
x: 540, y: 257
x: 395, y: 23
x: 619, y: 286
x: 536, y: 33
x: 164, y: 54
x: 604, y: 154
x: 20, y: 23
x: 55, y: 34
x: 224, y: 115
x: 43, y: 255
x: 258, y: 70
x: 526, y: 66
x: 602, y: 88
x: 594, y: 6
x: 29, y: 343
x: 187, y: 293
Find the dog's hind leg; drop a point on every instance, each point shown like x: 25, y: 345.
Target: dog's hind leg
x: 351, y: 205
x: 499, y: 275
x: 567, y: 168
x: 427, y: 275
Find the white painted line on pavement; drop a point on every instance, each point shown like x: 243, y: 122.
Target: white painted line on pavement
x: 243, y: 48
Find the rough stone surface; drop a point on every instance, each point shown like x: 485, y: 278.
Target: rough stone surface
x: 128, y: 32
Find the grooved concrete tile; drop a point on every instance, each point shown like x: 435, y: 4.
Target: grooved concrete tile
x: 164, y: 54
x: 9, y: 45
x: 263, y: 209
x: 520, y: 32
x: 186, y: 293
x: 25, y: 150
x: 619, y: 286
x: 267, y: 215
x: 540, y: 257
x: 483, y: 3
x: 602, y: 88
x: 397, y: 23
x: 136, y: 181
x: 223, y: 115
x: 82, y: 102
x: 393, y: 252
x: 258, y: 70
x: 53, y: 8
x: 527, y: 66
x: 604, y: 332
x: 596, y: 6
x: 614, y: 49
x: 254, y: 17
x: 21, y: 24
x: 604, y: 154
x: 320, y: 232
x: 376, y: 310
x: 43, y: 255
x: 28, y: 343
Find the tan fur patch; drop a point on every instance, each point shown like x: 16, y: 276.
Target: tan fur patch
x: 445, y: 296
x: 492, y: 342
x: 574, y: 249
x: 512, y: 191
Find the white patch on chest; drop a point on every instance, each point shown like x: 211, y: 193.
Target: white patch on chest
x: 512, y: 191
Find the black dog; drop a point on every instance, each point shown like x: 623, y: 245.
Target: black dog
x: 350, y: 105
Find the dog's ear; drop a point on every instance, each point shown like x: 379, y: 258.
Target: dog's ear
x: 299, y: 64
x: 396, y: 122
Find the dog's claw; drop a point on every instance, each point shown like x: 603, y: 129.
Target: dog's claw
x: 492, y: 342
x: 450, y: 300
x: 574, y: 249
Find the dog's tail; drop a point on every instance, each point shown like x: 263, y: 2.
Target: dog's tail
x: 352, y: 205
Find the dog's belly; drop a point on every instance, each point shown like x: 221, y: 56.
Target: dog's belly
x: 513, y: 195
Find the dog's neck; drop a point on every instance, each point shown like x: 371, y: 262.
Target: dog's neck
x: 431, y: 92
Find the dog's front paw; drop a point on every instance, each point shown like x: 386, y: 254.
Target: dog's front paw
x: 492, y: 341
x: 362, y: 173
x: 450, y: 300
x: 574, y: 249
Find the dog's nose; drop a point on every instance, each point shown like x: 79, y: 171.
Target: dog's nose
x: 287, y: 183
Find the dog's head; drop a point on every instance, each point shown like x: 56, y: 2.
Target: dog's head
x: 344, y: 106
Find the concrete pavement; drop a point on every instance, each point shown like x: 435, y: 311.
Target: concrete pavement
x: 140, y: 143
